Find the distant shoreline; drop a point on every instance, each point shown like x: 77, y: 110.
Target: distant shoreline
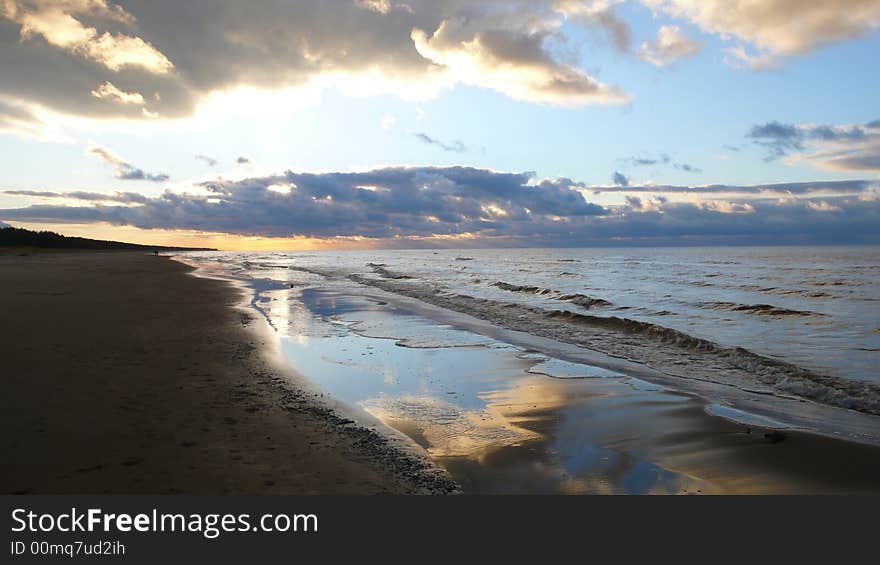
x: 18, y: 238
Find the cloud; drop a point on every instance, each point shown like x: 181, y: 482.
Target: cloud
x: 108, y: 91
x: 670, y: 46
x: 407, y: 206
x: 383, y: 203
x: 382, y: 6
x: 740, y: 58
x: 177, y: 54
x: 823, y: 206
x: 844, y: 187
x: 778, y: 138
x: 512, y: 60
x: 121, y: 197
x: 243, y: 161
x: 124, y: 170
x: 20, y: 119
x: 601, y: 14
x: 29, y: 120
x: 4, y: 225
x: 210, y: 161
x: 56, y: 22
x: 777, y: 28
x: 454, y: 146
x: 832, y: 147
x: 662, y: 159
x: 645, y: 161
x: 688, y: 168
x: 620, y: 179
x: 174, y: 55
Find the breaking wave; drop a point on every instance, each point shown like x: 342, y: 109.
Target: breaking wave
x: 381, y: 270
x: 758, y: 309
x: 579, y: 299
x: 670, y: 351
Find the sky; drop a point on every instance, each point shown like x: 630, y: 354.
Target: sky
x: 287, y: 124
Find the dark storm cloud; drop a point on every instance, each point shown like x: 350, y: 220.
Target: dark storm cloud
x: 493, y: 208
x: 454, y: 146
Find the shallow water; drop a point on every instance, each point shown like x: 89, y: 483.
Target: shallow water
x: 499, y: 418
x: 512, y: 411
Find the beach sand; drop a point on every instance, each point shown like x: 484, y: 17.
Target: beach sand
x: 124, y: 374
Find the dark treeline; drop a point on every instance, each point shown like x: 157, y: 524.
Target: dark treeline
x: 17, y: 237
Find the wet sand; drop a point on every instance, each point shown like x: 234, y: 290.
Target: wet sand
x: 502, y: 425
x: 124, y: 374
x: 648, y: 444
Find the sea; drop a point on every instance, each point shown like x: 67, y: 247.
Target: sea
x: 471, y: 352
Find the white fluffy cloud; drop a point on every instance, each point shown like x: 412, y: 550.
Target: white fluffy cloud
x: 96, y: 56
x: 109, y: 91
x: 670, y: 46
x: 601, y: 14
x: 512, y: 61
x: 56, y: 21
x: 101, y: 58
x: 777, y: 27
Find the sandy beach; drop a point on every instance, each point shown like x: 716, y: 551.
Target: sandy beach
x: 124, y: 374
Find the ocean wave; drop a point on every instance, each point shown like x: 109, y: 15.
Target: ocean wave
x: 381, y: 270
x: 806, y: 293
x: 579, y: 299
x: 584, y: 300
x: 520, y: 288
x: 665, y: 349
x: 758, y: 309
x: 767, y: 289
